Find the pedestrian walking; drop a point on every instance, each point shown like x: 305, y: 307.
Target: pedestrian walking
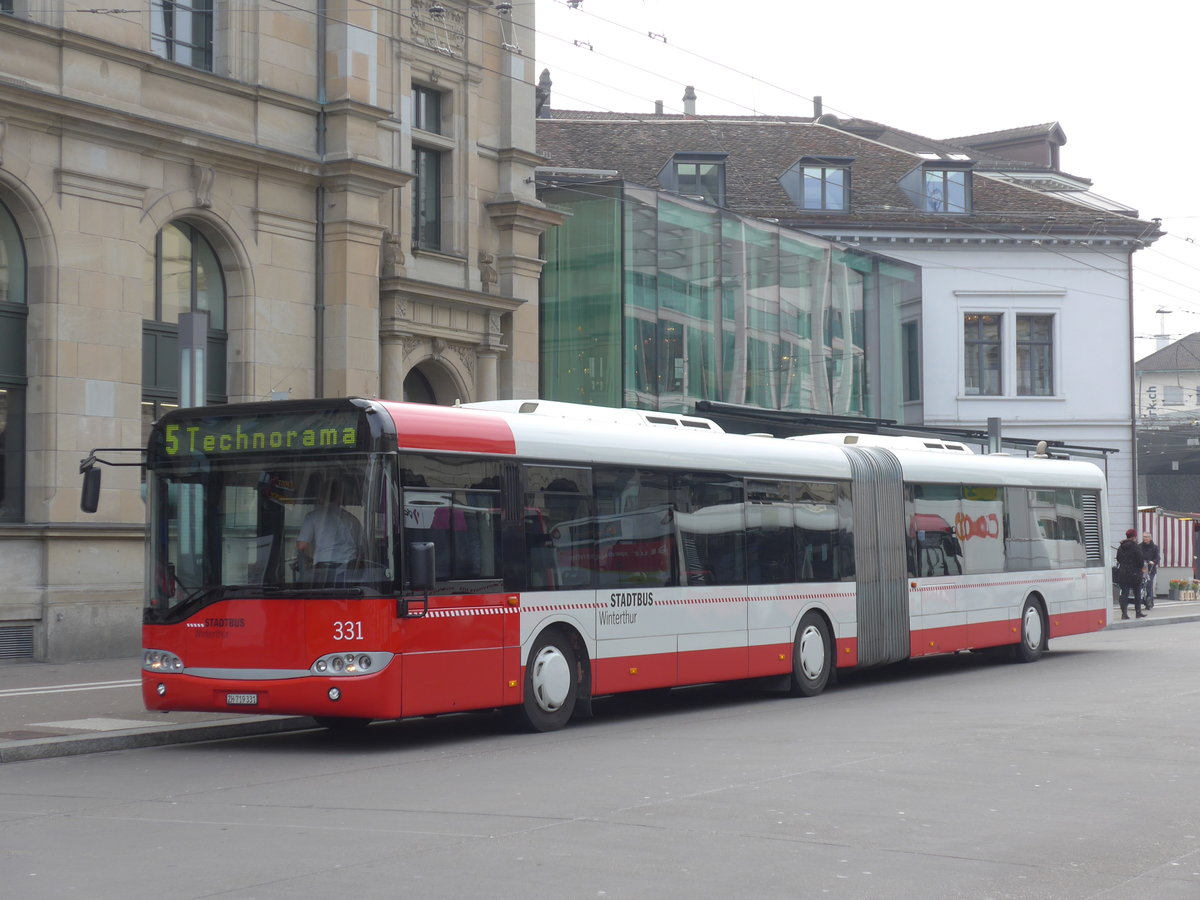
x: 1151, y: 557
x: 1128, y: 574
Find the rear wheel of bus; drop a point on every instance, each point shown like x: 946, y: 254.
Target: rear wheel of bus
x: 1033, y: 632
x: 812, y: 656
x: 551, y: 683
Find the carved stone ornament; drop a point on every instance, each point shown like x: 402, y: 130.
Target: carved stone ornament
x: 467, y: 357
x: 391, y: 256
x: 439, y: 26
x: 488, y: 276
x: 202, y: 184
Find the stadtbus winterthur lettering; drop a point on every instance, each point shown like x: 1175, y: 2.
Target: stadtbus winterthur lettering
x: 233, y: 438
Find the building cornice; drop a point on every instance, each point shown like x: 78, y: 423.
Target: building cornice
x: 529, y: 216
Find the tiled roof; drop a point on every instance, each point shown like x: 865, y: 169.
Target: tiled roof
x: 761, y: 148
x: 1183, y: 355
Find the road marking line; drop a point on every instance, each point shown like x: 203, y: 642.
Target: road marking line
x: 69, y: 688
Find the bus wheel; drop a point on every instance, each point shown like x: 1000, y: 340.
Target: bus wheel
x: 551, y: 683
x: 1033, y: 633
x: 812, y: 656
x: 341, y: 724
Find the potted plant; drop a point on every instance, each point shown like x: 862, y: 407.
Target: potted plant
x: 1177, y: 587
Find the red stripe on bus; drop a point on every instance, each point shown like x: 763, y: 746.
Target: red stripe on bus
x: 1081, y: 622
x: 421, y: 426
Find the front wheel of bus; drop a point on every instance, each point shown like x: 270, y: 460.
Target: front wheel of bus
x: 551, y: 685
x: 1033, y: 633
x: 812, y: 656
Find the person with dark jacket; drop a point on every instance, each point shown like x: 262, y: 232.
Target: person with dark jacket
x: 1130, y: 567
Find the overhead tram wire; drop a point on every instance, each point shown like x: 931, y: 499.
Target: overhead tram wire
x: 932, y: 143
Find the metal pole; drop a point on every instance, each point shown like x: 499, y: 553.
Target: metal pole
x: 193, y: 358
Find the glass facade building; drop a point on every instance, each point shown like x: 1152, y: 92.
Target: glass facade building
x: 654, y: 301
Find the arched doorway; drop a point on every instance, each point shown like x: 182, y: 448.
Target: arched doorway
x: 429, y: 382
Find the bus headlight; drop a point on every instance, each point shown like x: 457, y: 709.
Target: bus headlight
x: 161, y: 661
x: 345, y: 665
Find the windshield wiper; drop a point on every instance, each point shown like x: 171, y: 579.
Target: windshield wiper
x: 202, y: 595
x: 330, y: 590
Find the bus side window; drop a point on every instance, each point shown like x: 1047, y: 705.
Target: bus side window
x: 770, y: 525
x: 455, y: 505
x: 635, y: 528
x: 560, y: 545
x: 818, y: 531
x: 710, y: 517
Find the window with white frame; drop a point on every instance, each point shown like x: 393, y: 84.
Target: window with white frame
x: 182, y: 31
x: 1035, y: 355
x: 996, y: 343
x: 1173, y: 395
x: 982, y: 356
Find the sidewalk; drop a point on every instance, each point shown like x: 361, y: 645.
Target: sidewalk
x: 66, y: 709
x: 87, y: 707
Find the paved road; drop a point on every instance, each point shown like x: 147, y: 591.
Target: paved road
x: 93, y: 706
x: 949, y: 777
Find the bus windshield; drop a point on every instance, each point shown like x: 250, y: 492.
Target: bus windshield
x: 257, y: 527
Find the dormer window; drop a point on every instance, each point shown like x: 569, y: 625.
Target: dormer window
x: 700, y: 176
x: 946, y: 190
x: 819, y: 183
x: 941, y: 184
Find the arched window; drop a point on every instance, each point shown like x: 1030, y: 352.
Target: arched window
x: 13, y: 313
x: 183, y: 275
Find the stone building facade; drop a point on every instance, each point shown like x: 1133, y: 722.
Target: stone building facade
x: 347, y: 191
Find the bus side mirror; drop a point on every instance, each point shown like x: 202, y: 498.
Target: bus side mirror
x: 89, y: 500
x: 422, y: 562
x: 421, y: 566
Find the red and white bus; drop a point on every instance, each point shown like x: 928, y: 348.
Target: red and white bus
x: 537, y: 555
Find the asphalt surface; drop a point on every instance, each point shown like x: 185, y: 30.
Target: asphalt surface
x: 92, y: 706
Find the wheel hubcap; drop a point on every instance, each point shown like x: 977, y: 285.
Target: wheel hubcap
x: 812, y: 653
x: 1033, y: 628
x: 550, y: 679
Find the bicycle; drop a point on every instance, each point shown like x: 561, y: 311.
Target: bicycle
x: 1148, y: 585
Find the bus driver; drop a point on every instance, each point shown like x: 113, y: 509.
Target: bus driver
x: 330, y: 536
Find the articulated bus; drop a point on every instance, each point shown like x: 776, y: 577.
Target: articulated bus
x: 534, y: 556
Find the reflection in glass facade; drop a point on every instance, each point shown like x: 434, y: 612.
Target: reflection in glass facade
x: 656, y: 302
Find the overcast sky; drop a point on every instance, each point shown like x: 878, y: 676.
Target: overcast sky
x: 1118, y: 77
